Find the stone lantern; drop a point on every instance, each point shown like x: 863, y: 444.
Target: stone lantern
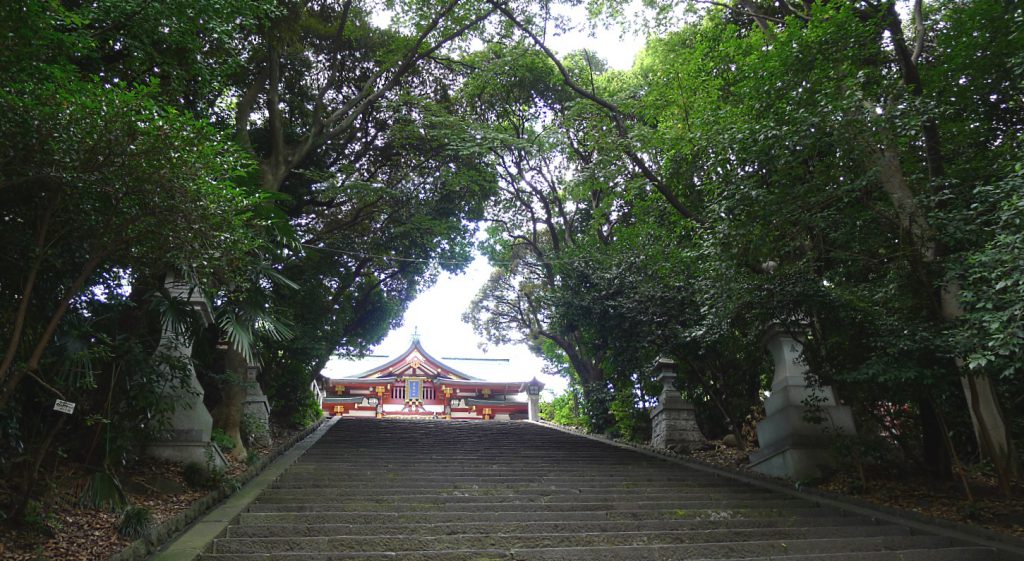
x: 673, y: 421
x: 533, y: 389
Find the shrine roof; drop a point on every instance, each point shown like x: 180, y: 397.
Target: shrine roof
x: 448, y: 370
x: 493, y: 402
x: 331, y: 399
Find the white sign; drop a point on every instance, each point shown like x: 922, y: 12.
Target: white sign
x: 64, y: 406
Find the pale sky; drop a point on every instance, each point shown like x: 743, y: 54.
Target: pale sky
x: 437, y: 312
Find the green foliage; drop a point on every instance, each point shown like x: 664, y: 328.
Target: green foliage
x: 200, y: 476
x: 103, y: 491
x: 252, y: 457
x: 564, y: 410
x: 222, y: 440
x: 771, y: 139
x: 135, y: 522
x: 292, y: 402
x: 253, y: 430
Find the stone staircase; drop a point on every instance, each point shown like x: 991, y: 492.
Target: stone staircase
x: 408, y: 490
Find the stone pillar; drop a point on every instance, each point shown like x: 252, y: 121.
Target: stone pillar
x: 533, y: 388
x: 256, y: 407
x: 191, y: 423
x: 674, y: 423
x: 789, y: 445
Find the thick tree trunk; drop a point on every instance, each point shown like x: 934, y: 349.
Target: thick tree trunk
x: 989, y: 424
x: 227, y: 415
x: 990, y: 427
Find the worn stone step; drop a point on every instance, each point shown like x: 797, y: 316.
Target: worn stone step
x: 518, y: 541
x: 946, y: 554
x: 458, y: 491
x: 329, y: 481
x: 483, y: 496
x: 475, y: 490
x: 912, y: 548
x: 718, y: 522
x: 328, y: 484
x: 522, y: 516
x: 732, y: 550
x: 568, y: 506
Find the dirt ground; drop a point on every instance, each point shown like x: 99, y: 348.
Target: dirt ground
x: 938, y: 499
x: 62, y: 531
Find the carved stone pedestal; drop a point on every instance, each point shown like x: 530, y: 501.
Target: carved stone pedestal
x: 790, y: 446
x: 673, y: 421
x: 191, y: 423
x: 256, y: 407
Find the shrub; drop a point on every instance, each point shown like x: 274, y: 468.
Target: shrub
x: 103, y: 491
x: 135, y: 522
x: 222, y: 440
x: 252, y: 457
x: 253, y: 429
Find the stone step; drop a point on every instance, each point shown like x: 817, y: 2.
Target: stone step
x: 519, y: 541
x: 522, y: 516
x: 718, y: 522
x: 568, y: 506
x: 495, y: 483
x: 476, y: 490
x: 502, y: 496
x: 461, y: 491
x: 328, y: 481
x: 914, y: 548
x: 337, y: 472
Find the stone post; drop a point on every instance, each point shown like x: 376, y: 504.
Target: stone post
x: 790, y: 446
x: 256, y: 407
x: 673, y: 421
x: 191, y: 423
x: 533, y: 388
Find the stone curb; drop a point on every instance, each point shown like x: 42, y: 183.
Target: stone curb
x: 1010, y: 548
x: 164, y: 532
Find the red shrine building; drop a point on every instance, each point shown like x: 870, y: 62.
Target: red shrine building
x: 418, y: 385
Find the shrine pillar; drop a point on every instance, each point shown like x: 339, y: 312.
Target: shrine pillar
x: 191, y: 425
x: 673, y: 421
x: 790, y: 445
x: 447, y: 393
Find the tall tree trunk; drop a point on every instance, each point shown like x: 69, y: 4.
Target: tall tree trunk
x: 936, y: 458
x: 227, y: 415
x: 990, y: 427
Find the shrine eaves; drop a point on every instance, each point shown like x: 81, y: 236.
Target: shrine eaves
x: 417, y: 385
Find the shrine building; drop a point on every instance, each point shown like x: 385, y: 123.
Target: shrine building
x: 417, y: 385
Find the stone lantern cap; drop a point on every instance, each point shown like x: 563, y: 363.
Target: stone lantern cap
x: 179, y: 288
x: 534, y: 387
x: 665, y: 369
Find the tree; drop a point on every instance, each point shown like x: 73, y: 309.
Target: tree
x: 843, y: 194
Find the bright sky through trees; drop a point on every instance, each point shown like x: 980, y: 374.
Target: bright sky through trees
x: 437, y: 313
